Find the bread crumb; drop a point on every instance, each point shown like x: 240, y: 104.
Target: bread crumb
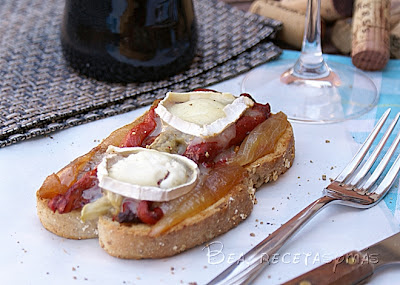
x: 327, y: 141
x: 324, y: 177
x: 252, y: 234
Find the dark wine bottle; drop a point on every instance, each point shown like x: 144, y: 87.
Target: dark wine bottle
x: 128, y: 40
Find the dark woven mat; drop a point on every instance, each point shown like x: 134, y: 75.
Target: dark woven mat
x: 39, y: 94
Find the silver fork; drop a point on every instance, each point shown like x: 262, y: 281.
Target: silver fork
x: 353, y: 187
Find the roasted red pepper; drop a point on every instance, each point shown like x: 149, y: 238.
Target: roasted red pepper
x: 205, y: 152
x: 139, y: 212
x: 140, y: 133
x: 202, y: 152
x: 251, y: 119
x: 72, y: 199
x: 128, y: 213
x: 148, y: 215
x: 205, y: 90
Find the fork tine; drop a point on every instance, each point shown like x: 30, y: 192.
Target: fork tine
x: 368, y: 164
x: 388, y: 181
x: 382, y: 165
x: 349, y: 169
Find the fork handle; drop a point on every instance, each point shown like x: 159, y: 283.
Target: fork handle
x: 251, y: 264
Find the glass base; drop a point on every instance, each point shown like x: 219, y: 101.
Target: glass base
x: 345, y: 94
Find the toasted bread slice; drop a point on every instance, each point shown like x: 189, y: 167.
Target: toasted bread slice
x: 134, y: 242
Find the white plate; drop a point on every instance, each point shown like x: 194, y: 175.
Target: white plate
x: 32, y: 255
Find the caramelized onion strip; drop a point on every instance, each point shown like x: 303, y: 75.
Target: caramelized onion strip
x: 262, y: 139
x: 209, y: 189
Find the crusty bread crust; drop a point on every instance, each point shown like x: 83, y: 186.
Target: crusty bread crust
x: 67, y: 225
x: 269, y: 167
x: 134, y: 241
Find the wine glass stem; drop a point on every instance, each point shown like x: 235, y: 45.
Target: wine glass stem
x: 311, y: 64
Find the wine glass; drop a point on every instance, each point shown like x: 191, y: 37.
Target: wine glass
x: 310, y: 90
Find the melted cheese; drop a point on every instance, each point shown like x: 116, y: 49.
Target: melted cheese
x: 199, y: 111
x: 149, y: 169
x: 145, y: 174
x: 202, y: 114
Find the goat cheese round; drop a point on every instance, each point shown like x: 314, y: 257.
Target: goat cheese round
x: 202, y: 113
x: 146, y: 174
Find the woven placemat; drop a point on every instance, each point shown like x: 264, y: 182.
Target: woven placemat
x: 40, y: 94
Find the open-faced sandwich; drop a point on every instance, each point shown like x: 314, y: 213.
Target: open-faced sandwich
x: 183, y: 173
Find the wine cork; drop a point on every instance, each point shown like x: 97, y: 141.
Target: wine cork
x: 341, y: 35
x: 394, y: 13
x: 395, y: 28
x: 395, y: 41
x: 293, y: 21
x: 370, y: 43
x: 331, y: 10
